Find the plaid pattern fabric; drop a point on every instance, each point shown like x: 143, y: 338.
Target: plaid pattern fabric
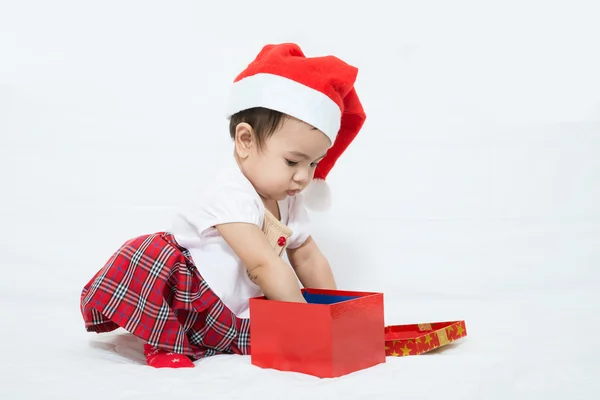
x: 151, y: 288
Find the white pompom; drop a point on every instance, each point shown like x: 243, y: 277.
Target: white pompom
x: 317, y: 196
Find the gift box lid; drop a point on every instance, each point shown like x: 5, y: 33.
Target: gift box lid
x: 413, y: 339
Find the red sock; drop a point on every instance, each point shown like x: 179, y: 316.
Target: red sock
x: 158, y: 358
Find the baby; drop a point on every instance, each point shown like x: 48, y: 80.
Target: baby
x: 185, y: 292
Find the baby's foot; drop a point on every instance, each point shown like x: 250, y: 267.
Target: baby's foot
x: 158, y: 358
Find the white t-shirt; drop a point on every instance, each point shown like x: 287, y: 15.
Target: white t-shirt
x: 231, y: 198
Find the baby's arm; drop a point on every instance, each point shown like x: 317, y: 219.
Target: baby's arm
x: 265, y: 268
x: 311, y: 266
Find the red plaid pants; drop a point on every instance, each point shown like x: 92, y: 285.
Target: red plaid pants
x: 151, y: 288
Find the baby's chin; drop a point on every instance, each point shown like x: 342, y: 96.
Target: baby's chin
x: 280, y: 197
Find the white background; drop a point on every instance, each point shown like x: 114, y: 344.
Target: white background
x: 472, y: 192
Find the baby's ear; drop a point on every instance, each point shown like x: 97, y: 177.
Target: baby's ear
x: 244, y: 139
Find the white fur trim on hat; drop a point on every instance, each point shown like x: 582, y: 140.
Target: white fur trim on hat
x: 287, y: 96
x: 317, y: 195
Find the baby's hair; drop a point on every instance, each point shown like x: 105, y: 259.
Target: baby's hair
x: 264, y: 121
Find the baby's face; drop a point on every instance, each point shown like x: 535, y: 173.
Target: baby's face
x: 287, y: 162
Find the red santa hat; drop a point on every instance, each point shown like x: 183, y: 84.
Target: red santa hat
x: 317, y: 90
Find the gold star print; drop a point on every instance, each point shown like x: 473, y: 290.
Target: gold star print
x: 459, y: 330
x: 405, y: 350
x: 427, y: 339
x: 418, y: 340
x: 394, y: 354
x: 449, y: 329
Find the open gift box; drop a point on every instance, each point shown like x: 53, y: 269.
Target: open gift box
x: 335, y: 333
x: 407, y: 340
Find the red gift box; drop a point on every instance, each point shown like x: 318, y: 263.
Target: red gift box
x: 335, y: 333
x: 408, y: 340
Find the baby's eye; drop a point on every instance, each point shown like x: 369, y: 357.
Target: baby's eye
x: 314, y: 164
x: 291, y: 163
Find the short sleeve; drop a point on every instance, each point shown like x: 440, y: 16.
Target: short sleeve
x: 298, y: 222
x: 228, y: 201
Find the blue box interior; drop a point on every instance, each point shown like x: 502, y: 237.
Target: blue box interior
x: 313, y: 298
